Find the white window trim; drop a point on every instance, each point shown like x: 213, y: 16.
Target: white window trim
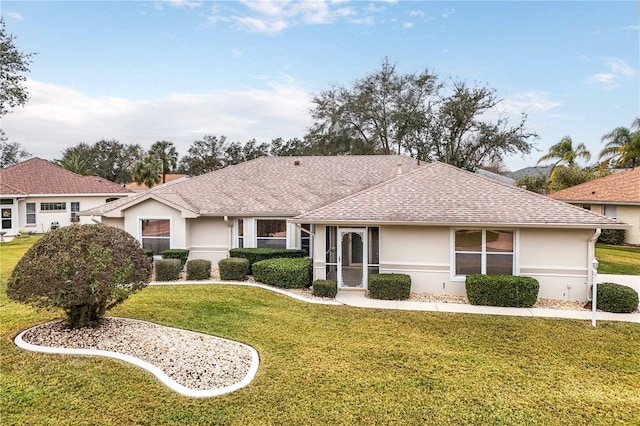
x: 255, y: 232
x: 169, y: 218
x: 483, y: 264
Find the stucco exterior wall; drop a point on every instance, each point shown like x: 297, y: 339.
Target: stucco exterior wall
x: 208, y: 238
x: 152, y: 209
x: 630, y: 215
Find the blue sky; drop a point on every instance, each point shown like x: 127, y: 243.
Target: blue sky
x: 141, y: 71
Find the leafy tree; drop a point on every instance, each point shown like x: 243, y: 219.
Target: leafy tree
x: 83, y: 269
x: 567, y: 176
x: 536, y: 183
x: 237, y: 153
x: 564, y: 153
x: 622, y: 146
x: 13, y: 63
x: 166, y: 153
x: 205, y: 155
x: 388, y: 112
x: 280, y: 148
x: 146, y: 171
x: 11, y: 152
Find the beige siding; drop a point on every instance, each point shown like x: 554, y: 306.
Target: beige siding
x: 630, y: 215
x: 152, y: 209
x: 116, y: 222
x: 208, y: 238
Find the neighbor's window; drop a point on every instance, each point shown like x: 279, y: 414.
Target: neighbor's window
x: 483, y: 252
x: 50, y: 207
x: 156, y: 234
x: 75, y: 208
x: 610, y: 211
x: 31, y: 213
x: 271, y: 233
x: 108, y: 200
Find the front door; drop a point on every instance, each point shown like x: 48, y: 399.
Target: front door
x: 352, y: 257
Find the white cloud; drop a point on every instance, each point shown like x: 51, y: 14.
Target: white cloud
x: 57, y: 117
x: 14, y: 15
x: 448, y: 12
x: 407, y: 24
x: 618, y: 71
x: 527, y: 102
x: 416, y: 13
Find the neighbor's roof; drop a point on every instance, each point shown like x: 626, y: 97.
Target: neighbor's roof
x: 533, y: 171
x: 271, y: 186
x: 168, y: 177
x: 620, y: 188
x: 442, y: 194
x: 41, y: 177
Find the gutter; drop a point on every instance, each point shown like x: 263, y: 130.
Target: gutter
x: 591, y: 254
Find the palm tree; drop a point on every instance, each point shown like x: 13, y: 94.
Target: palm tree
x: 564, y: 153
x: 146, y: 171
x: 76, y: 164
x: 623, y: 146
x: 166, y: 153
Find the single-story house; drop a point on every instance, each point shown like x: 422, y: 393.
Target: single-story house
x: 360, y: 215
x: 616, y: 196
x: 37, y: 195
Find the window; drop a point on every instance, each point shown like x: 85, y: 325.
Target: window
x: 31, y: 213
x: 240, y: 233
x: 49, y: 207
x: 586, y: 206
x: 272, y: 233
x: 6, y: 201
x: 156, y: 235
x: 306, y: 240
x: 610, y: 211
x: 7, y: 215
x: 373, y: 240
x: 331, y: 247
x: 111, y: 199
x: 483, y: 252
x: 75, y: 208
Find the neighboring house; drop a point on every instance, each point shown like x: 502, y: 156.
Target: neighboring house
x: 36, y: 196
x: 169, y: 177
x: 533, y: 172
x: 616, y: 196
x: 360, y: 215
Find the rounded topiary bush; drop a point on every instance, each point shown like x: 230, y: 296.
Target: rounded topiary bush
x: 83, y: 269
x: 168, y: 269
x: 198, y: 269
x: 286, y: 273
x: 389, y: 286
x: 616, y: 298
x: 325, y: 288
x: 233, y: 269
x: 181, y: 254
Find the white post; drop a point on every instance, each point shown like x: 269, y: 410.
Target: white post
x: 594, y: 288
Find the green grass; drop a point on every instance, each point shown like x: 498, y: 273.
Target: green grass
x: 335, y: 365
x: 622, y: 260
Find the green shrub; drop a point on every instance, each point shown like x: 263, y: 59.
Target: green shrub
x: 180, y: 254
x: 502, y: 290
x: 325, y: 288
x: 258, y: 254
x: 83, y: 269
x: 168, y: 269
x: 616, y: 298
x: 614, y: 237
x: 233, y: 269
x: 283, y: 272
x: 389, y: 286
x: 198, y: 269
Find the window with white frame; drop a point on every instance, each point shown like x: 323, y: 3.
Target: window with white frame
x: 53, y: 207
x: 31, y: 214
x: 75, y: 208
x: 240, y: 233
x: 483, y: 251
x: 610, y: 211
x: 156, y: 234
x: 306, y: 239
x: 271, y: 233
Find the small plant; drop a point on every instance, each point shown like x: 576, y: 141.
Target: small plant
x: 614, y: 237
x: 83, y: 269
x: 325, y: 288
x: 616, y: 298
x: 389, y: 286
x: 180, y: 254
x: 233, y: 269
x: 286, y: 273
x: 258, y: 254
x: 198, y: 269
x: 168, y: 269
x: 502, y: 290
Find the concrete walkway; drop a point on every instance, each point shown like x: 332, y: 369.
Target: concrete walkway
x: 358, y: 299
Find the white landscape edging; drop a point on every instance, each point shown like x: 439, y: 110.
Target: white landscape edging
x: 164, y: 378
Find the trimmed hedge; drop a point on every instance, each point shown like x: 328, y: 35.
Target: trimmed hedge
x: 283, y: 272
x: 168, y: 269
x: 614, y: 237
x: 180, y: 254
x: 617, y: 298
x: 389, y: 286
x: 502, y: 290
x: 325, y: 288
x: 258, y: 254
x: 233, y: 269
x: 198, y: 269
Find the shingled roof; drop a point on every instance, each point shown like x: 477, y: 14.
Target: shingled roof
x: 441, y: 194
x: 272, y: 186
x: 619, y: 188
x: 41, y: 177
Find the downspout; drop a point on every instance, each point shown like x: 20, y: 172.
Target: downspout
x: 591, y: 254
x: 94, y: 220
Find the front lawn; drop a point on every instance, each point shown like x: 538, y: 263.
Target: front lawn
x: 335, y: 365
x: 622, y: 260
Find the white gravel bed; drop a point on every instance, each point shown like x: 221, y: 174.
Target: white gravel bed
x: 540, y: 303
x: 194, y: 360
